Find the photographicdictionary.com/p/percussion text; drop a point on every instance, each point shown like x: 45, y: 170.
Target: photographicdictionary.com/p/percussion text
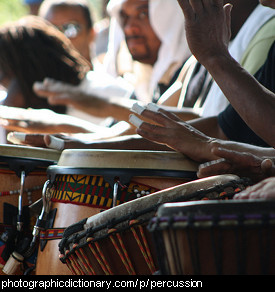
x: 137, y: 283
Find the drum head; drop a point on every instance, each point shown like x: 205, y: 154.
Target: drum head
x: 124, y: 164
x: 36, y: 153
x: 18, y: 158
x: 126, y: 159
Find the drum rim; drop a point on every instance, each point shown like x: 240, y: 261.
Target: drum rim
x: 32, y: 153
x: 20, y: 158
x: 125, y: 174
x: 215, y: 207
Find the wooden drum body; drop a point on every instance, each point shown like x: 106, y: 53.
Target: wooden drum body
x: 216, y: 237
x: 116, y: 241
x: 22, y: 176
x: 86, y: 182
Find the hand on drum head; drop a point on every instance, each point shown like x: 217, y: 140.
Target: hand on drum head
x: 262, y: 190
x: 243, y: 164
x: 57, y: 142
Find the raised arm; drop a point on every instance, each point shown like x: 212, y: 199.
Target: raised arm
x: 208, y: 34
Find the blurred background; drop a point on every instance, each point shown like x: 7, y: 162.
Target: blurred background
x: 14, y: 9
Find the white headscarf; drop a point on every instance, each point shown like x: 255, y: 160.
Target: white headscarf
x: 167, y: 21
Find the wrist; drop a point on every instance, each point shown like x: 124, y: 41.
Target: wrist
x: 216, y: 60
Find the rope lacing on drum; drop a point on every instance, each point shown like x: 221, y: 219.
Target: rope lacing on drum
x: 84, y: 260
x: 123, y: 254
x: 100, y: 258
x: 72, y: 264
x: 144, y: 250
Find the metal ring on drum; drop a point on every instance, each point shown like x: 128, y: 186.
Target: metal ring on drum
x: 117, y: 240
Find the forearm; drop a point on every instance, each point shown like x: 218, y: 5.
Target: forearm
x: 118, y: 108
x: 209, y: 126
x: 254, y: 103
x: 185, y: 113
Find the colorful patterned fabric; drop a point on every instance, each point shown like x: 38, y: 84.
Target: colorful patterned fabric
x: 94, y: 191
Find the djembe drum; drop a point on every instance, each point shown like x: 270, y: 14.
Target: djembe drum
x: 117, y: 241
x: 215, y: 237
x: 22, y: 176
x: 86, y: 182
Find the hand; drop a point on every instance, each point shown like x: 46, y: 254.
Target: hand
x: 244, y: 164
x: 262, y: 190
x: 57, y: 93
x: 95, y: 97
x: 167, y: 129
x: 57, y: 142
x: 44, y: 121
x: 208, y: 27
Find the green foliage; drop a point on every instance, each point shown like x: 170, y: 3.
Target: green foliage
x: 11, y: 10
x: 14, y: 9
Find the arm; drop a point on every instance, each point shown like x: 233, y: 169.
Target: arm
x: 208, y: 33
x: 100, y: 106
x: 169, y: 130
x: 61, y: 142
x: 118, y: 107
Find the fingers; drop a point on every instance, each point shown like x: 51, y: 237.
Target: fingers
x: 35, y: 140
x: 263, y: 190
x: 187, y: 9
x: 54, y: 142
x: 51, y: 87
x: 197, y: 5
x: 160, y: 133
x: 45, y: 88
x: 227, y: 10
x: 154, y: 113
x: 148, y: 130
x: 240, y: 159
x: 267, y: 166
x: 153, y: 108
x: 192, y: 7
x: 215, y: 167
x: 229, y: 155
x: 217, y: 3
x: 16, y: 138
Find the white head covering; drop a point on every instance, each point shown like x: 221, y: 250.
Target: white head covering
x: 167, y: 21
